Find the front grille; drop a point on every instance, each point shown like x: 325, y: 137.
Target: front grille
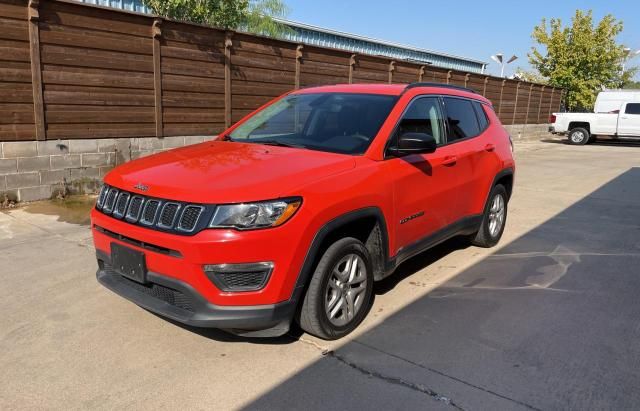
x: 166, y: 294
x: 189, y: 218
x: 150, y: 211
x: 168, y: 215
x: 175, y: 216
x: 135, y: 207
x: 121, y: 204
x: 102, y: 196
x: 110, y: 201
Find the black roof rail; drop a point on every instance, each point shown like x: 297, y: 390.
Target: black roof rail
x: 442, y: 85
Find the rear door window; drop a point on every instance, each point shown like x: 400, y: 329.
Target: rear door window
x: 461, y: 119
x: 632, y: 108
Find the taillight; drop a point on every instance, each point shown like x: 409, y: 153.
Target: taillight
x: 552, y: 118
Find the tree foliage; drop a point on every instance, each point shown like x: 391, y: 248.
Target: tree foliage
x: 530, y: 76
x: 254, y: 16
x: 632, y: 85
x: 583, y: 58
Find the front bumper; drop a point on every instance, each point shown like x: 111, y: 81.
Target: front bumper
x: 177, y: 300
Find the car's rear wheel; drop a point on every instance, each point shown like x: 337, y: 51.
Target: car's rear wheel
x: 579, y: 136
x: 493, y: 220
x: 340, y: 292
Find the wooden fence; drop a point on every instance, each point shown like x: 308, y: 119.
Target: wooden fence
x: 69, y: 70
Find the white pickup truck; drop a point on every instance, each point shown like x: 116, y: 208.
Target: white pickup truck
x: 616, y: 114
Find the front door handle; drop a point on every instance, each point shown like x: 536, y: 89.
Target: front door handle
x: 489, y: 147
x: 449, y: 160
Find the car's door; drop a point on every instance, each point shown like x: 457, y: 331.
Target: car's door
x: 425, y: 186
x: 629, y: 120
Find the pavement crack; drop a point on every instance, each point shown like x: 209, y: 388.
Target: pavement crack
x: 433, y: 370
x: 374, y: 374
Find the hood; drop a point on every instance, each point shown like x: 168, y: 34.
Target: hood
x: 227, y: 172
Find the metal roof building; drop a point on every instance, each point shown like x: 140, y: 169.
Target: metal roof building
x: 318, y: 36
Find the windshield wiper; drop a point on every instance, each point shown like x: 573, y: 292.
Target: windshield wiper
x: 278, y: 143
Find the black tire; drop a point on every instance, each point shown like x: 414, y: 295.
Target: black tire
x: 485, y: 237
x: 579, y: 136
x: 313, y: 317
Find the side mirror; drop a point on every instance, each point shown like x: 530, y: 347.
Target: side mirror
x: 415, y: 143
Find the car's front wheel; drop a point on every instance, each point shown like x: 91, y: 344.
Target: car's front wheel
x: 340, y: 292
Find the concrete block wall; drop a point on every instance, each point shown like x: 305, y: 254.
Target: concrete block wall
x: 38, y: 170
x: 528, y: 132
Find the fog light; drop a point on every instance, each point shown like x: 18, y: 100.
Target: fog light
x: 239, y: 277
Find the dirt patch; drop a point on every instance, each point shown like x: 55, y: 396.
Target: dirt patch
x: 72, y: 209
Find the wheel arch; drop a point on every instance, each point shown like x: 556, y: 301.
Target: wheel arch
x: 366, y: 224
x: 579, y: 124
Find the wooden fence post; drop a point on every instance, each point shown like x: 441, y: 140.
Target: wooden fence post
x: 420, y: 73
x: 392, y: 67
x: 515, y: 105
x: 526, y: 119
x: 36, y: 69
x: 227, y: 78
x: 298, y: 61
x: 448, y: 76
x: 500, y: 103
x: 352, y: 63
x: 484, y: 89
x: 540, y: 104
x: 466, y: 79
x: 551, y: 102
x: 156, y: 32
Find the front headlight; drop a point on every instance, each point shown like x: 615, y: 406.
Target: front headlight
x: 255, y: 215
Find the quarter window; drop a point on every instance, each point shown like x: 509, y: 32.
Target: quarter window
x: 482, y: 116
x: 461, y: 119
x: 632, y: 108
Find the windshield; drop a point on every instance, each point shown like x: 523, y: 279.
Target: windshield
x: 336, y: 122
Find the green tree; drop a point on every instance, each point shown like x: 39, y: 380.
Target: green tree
x: 583, y: 58
x: 254, y: 16
x: 632, y: 85
x: 530, y: 76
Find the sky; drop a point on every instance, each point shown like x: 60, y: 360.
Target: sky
x: 471, y: 29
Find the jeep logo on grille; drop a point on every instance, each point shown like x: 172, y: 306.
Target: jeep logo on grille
x: 141, y: 187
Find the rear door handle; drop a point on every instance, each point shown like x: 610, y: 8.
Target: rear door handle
x: 449, y: 160
x: 489, y: 147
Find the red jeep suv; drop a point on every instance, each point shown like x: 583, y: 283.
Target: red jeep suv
x: 295, y: 211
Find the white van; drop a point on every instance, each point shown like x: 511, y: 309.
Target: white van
x: 611, y: 100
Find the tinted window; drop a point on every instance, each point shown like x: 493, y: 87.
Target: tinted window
x: 461, y: 118
x: 482, y: 116
x: 633, y: 108
x: 336, y: 122
x: 423, y: 116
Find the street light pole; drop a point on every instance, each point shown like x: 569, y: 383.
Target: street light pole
x: 498, y: 59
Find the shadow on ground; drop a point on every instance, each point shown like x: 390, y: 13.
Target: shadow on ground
x: 549, y: 322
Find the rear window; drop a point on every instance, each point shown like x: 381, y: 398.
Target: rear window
x: 461, y: 118
x: 633, y: 108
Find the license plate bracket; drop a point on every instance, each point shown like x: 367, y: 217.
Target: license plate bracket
x: 129, y: 263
